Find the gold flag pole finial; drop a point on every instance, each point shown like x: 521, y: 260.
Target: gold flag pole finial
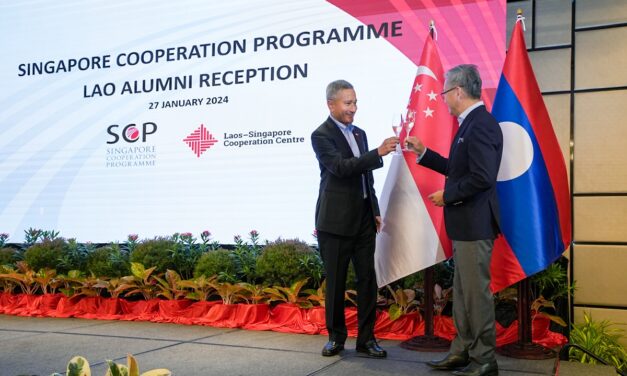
x: 432, y: 30
x: 520, y: 18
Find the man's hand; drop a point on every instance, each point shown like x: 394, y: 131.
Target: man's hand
x: 378, y: 222
x: 414, y: 144
x: 388, y: 146
x: 437, y: 198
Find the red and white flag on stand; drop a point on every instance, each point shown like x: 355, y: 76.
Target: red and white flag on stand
x: 413, y: 236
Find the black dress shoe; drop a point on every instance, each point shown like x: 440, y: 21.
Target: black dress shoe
x: 372, y: 349
x: 332, y: 348
x: 451, y: 362
x: 476, y: 369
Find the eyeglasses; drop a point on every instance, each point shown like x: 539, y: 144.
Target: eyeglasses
x: 446, y: 91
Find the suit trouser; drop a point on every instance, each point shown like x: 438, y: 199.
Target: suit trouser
x: 473, y: 304
x: 336, y: 252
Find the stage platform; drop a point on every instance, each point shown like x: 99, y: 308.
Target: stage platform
x: 41, y: 346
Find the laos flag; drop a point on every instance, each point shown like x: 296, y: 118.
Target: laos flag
x: 532, y: 183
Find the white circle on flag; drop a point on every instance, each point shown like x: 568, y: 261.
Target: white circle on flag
x: 517, y: 151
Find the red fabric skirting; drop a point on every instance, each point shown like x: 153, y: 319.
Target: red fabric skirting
x: 287, y: 318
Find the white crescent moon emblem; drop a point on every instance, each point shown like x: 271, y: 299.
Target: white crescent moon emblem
x: 422, y: 69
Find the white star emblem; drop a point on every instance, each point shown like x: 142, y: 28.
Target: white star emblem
x: 432, y: 96
x: 428, y: 112
x: 411, y: 114
x: 418, y: 87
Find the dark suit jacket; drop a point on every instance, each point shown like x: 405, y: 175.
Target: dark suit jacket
x: 340, y: 203
x: 471, y: 210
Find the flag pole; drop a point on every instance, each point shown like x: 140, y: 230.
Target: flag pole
x: 429, y: 341
x: 524, y: 348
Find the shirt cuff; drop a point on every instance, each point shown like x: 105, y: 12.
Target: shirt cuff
x: 418, y: 158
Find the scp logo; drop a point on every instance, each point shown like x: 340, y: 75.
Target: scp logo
x: 132, y: 132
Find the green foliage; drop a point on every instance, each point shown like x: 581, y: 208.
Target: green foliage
x: 245, y: 256
x: 219, y: 263
x: 107, y: 261
x: 24, y: 278
x: 538, y: 306
x: 185, y: 253
x: 552, y: 283
x: 230, y: 293
x: 156, y: 253
x: 74, y: 256
x: 312, y: 263
x: 7, y: 256
x: 3, y: 239
x: 413, y: 281
x: 404, y: 301
x: 550, y: 291
x: 443, y: 273
x: 290, y: 294
x: 351, y: 277
x: 169, y: 286
x: 202, y: 288
x: 79, y: 366
x: 130, y: 243
x: 601, y: 339
x: 45, y: 254
x: 253, y: 294
x: 280, y: 262
x: 141, y: 281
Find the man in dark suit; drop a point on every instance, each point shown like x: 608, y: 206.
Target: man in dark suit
x: 471, y: 216
x: 347, y: 217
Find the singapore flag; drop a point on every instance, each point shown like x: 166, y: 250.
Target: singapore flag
x: 413, y: 236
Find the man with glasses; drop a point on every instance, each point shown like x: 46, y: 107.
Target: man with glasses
x: 471, y: 216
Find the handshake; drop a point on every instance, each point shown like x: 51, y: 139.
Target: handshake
x: 412, y: 144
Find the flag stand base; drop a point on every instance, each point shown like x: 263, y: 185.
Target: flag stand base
x: 530, y: 350
x: 524, y: 348
x: 429, y: 341
x: 426, y: 343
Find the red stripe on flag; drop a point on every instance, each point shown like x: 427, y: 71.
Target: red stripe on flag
x: 504, y: 259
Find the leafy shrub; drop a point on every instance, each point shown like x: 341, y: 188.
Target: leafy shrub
x: 413, y: 281
x: 245, y: 256
x: 219, y: 263
x: 79, y: 366
x: 185, y: 254
x: 7, y: 256
x: 46, y: 254
x: 74, y: 256
x: 312, y: 263
x: 281, y: 262
x: 600, y: 338
x: 107, y: 261
x: 155, y: 252
x: 443, y: 273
